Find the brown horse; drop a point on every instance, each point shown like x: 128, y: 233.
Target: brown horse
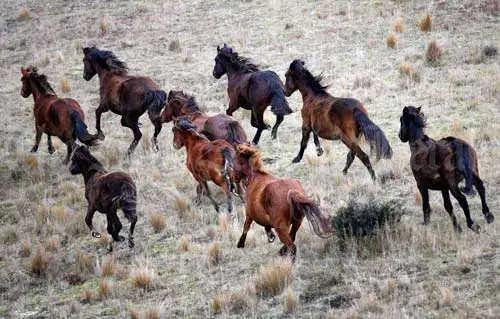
x: 106, y: 193
x: 123, y: 94
x: 61, y: 117
x: 206, y: 160
x: 276, y: 203
x: 216, y: 127
x: 333, y: 118
x: 251, y: 89
x: 442, y: 165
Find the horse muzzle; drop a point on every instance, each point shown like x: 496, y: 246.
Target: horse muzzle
x: 177, y: 146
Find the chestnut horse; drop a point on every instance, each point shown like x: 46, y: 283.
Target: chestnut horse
x: 106, y: 193
x: 220, y: 126
x: 61, y: 117
x: 206, y: 160
x: 277, y: 203
x: 251, y: 89
x: 333, y: 118
x: 442, y: 165
x: 123, y: 94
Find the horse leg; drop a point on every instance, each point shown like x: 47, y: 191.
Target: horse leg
x: 295, y: 227
x: 261, y: 126
x: 424, y: 192
x: 481, y: 190
x: 209, y: 195
x: 98, y: 113
x: 131, y: 215
x: 38, y: 137
x: 350, y: 158
x: 364, y: 158
x: 306, y: 132
x: 50, y: 146
x: 227, y: 189
x: 88, y: 220
x: 71, y: 145
x: 199, y: 193
x: 154, y: 139
x: 319, y: 149
x: 274, y: 132
x: 288, y: 247
x: 270, y: 234
x: 246, y: 227
x: 449, y: 208
x: 232, y: 107
x: 455, y: 191
x: 134, y: 126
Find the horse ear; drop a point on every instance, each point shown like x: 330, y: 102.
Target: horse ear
x: 405, y: 110
x: 23, y: 71
x: 86, y: 50
x: 302, y: 62
x: 170, y: 95
x: 218, y: 49
x: 419, y: 108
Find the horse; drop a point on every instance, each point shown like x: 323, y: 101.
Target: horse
x: 61, y: 117
x: 123, y: 94
x: 442, y: 165
x: 206, y: 160
x: 251, y: 89
x: 277, y: 203
x: 333, y: 118
x: 219, y: 126
x: 106, y: 193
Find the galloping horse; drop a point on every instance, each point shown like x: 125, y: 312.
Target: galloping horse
x: 106, y: 193
x: 276, y: 203
x: 206, y: 160
x: 220, y: 126
x: 123, y: 94
x: 442, y: 165
x: 333, y: 118
x: 251, y: 89
x: 61, y: 117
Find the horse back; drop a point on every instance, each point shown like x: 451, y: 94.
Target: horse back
x: 275, y: 197
x: 262, y: 85
x: 107, y: 186
x: 54, y: 116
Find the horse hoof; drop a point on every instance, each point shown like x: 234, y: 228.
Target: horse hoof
x: 319, y: 151
x: 271, y: 238
x: 96, y: 234
x: 51, y: 150
x: 119, y: 238
x: 100, y: 135
x: 296, y: 160
x: 469, y: 191
x: 458, y: 229
x: 34, y: 149
x: 131, y: 244
x: 475, y: 228
x: 240, y: 245
x: 489, y: 217
x: 267, y: 126
x: 283, y: 251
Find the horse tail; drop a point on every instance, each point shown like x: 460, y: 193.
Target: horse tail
x: 373, y: 134
x: 236, y: 134
x: 228, y: 166
x: 279, y: 104
x: 320, y: 223
x: 465, y: 163
x: 80, y: 130
x: 155, y: 101
x: 127, y: 201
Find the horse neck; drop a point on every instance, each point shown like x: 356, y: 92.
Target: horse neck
x: 232, y: 72
x: 417, y: 139
x: 191, y: 139
x: 305, y: 91
x: 104, y: 75
x: 91, y: 174
x: 35, y: 91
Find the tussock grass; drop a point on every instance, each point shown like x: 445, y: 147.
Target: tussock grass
x: 174, y: 45
x: 151, y: 312
x: 407, y: 71
x: 24, y: 14
x: 157, y: 221
x: 433, y: 51
x: 271, y: 280
x: 142, y: 274
x: 236, y: 301
x: 65, y: 85
x: 41, y: 264
x: 103, y: 25
x: 87, y: 295
x: 25, y: 249
x: 214, y: 253
x: 52, y: 244
x: 83, y: 263
x: 105, y: 287
x: 289, y: 301
x: 107, y: 267
x: 425, y: 22
x: 399, y: 25
x: 9, y: 236
x: 391, y: 40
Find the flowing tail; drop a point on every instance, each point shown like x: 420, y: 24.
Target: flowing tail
x: 279, y: 104
x: 127, y: 201
x: 236, y: 133
x: 373, y: 134
x: 155, y: 101
x: 319, y: 222
x: 228, y: 155
x: 465, y: 162
x: 80, y: 130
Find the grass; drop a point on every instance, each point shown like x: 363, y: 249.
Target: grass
x: 158, y: 221
x: 399, y: 25
x: 391, y: 40
x: 425, y: 22
x: 433, y: 51
x: 272, y: 279
x: 142, y: 275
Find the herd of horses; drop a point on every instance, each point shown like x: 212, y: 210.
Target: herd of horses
x: 217, y: 147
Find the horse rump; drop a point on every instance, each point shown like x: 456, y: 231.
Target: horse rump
x: 320, y: 223
x: 236, y: 134
x: 465, y: 158
x: 80, y: 130
x: 373, y: 134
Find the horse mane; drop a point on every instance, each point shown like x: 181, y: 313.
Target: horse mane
x: 41, y: 81
x: 254, y: 157
x: 238, y: 61
x: 95, y: 165
x: 185, y: 124
x: 108, y: 60
x: 187, y: 101
x: 311, y: 81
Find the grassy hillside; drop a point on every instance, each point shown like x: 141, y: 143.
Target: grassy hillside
x: 185, y: 263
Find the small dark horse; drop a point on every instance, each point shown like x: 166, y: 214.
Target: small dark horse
x: 220, y: 126
x: 123, y: 94
x: 442, y: 165
x: 61, y: 117
x: 251, y: 89
x: 333, y: 118
x: 106, y: 193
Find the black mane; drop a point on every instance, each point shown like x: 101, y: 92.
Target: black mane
x: 311, y: 81
x: 184, y: 123
x: 41, y: 81
x: 188, y: 101
x: 239, y: 62
x: 108, y: 60
x: 93, y: 164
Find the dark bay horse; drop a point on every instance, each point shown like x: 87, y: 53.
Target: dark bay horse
x: 442, y: 165
x: 206, y: 160
x: 334, y: 118
x: 106, y: 193
x: 219, y: 126
x: 61, y: 117
x: 123, y: 94
x: 251, y: 89
x: 277, y: 203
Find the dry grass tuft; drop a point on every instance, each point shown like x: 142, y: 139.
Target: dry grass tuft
x: 425, y: 22
x: 24, y: 13
x: 289, y: 301
x: 399, y: 25
x: 65, y: 85
x: 105, y: 287
x: 77, y: 45
x: 44, y: 61
x: 31, y: 161
x: 83, y: 263
x: 59, y: 213
x: 132, y: 312
x: 370, y: 304
x: 103, y: 25
x: 236, y: 301
x: 87, y: 295
x: 142, y: 274
x: 184, y: 243
x: 41, y: 262
x: 107, y: 267
x: 157, y: 221
x: 174, y: 45
x: 433, y: 52
x: 25, y: 249
x: 271, y: 280
x: 224, y: 222
x: 391, y: 40
x: 447, y: 297
x: 407, y: 71
x: 215, y: 253
x: 52, y: 244
x: 151, y: 312
x: 111, y: 155
x: 9, y: 236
